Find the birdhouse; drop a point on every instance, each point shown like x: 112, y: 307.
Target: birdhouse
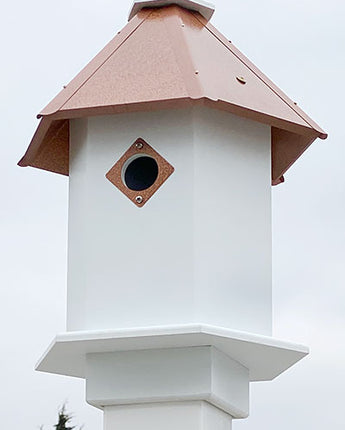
x: 171, y: 139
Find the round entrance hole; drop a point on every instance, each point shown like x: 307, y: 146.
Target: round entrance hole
x: 140, y: 172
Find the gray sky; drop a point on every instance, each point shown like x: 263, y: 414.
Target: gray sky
x: 300, y: 45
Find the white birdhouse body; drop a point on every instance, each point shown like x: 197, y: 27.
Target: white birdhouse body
x: 171, y: 139
x: 200, y: 249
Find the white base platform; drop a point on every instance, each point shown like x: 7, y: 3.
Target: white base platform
x: 264, y: 357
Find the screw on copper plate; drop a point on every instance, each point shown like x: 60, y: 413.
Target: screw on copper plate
x: 196, y: 72
x: 241, y: 80
x: 139, y: 172
x: 182, y: 25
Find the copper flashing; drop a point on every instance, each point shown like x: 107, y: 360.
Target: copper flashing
x: 165, y: 58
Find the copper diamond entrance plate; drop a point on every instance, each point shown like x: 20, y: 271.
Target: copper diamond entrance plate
x: 137, y: 149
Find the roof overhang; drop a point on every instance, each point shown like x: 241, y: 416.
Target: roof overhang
x: 49, y: 148
x: 204, y: 8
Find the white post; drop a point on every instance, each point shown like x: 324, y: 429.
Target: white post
x: 175, y: 388
x: 197, y: 415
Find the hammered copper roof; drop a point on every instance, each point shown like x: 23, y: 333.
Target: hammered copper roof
x: 171, y: 57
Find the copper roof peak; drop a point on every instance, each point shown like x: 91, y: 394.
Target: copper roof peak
x: 204, y: 8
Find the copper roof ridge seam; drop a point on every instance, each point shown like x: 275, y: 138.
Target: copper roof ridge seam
x: 186, y: 65
x: 289, y: 103
x: 99, y: 66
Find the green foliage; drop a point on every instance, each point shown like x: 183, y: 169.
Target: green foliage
x: 63, y: 420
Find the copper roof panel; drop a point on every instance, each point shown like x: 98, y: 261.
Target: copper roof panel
x: 258, y: 72
x: 217, y: 68
x: 97, y: 62
x: 136, y: 72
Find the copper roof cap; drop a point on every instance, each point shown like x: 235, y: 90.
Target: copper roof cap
x: 204, y: 8
x: 166, y: 58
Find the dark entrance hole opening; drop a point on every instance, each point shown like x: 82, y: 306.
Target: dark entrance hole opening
x: 141, y: 173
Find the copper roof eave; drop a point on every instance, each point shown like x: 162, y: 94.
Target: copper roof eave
x: 35, y: 143
x: 288, y: 143
x: 49, y: 147
x: 286, y: 148
x: 184, y: 102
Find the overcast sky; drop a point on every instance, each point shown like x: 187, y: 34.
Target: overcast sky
x: 300, y: 45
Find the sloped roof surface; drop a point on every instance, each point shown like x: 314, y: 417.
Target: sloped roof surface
x: 172, y: 57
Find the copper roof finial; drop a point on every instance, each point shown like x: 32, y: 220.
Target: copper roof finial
x: 204, y: 8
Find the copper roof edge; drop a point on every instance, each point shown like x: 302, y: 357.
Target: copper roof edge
x: 180, y: 103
